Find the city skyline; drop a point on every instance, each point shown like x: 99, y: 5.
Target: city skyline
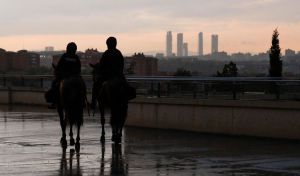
x: 244, y: 26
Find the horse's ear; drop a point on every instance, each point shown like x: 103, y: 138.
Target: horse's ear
x: 92, y: 65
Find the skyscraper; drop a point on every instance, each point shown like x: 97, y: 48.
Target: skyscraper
x: 214, y: 44
x: 179, y: 44
x: 185, y: 49
x: 200, y: 44
x: 169, y: 44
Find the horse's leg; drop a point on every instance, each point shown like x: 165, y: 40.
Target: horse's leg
x: 114, y: 123
x: 63, y: 140
x: 77, y: 145
x: 102, y: 112
x: 72, y: 141
x: 122, y: 114
x: 114, y: 132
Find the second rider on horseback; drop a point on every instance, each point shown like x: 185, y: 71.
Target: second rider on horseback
x: 110, y: 67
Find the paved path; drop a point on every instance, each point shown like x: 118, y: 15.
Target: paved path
x: 29, y: 145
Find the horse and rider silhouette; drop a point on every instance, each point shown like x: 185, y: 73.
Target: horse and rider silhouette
x: 110, y: 90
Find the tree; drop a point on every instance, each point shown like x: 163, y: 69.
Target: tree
x: 275, y: 56
x: 229, y: 70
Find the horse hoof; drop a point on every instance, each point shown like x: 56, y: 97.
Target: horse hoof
x: 72, y: 142
x: 63, y: 142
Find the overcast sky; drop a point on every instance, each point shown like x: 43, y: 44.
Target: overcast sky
x: 141, y: 25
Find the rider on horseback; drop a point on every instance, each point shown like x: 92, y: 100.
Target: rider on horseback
x: 111, y: 66
x: 68, y: 65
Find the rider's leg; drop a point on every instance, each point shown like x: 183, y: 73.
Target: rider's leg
x: 54, y: 93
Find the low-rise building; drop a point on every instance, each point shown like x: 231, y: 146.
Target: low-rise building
x: 141, y: 65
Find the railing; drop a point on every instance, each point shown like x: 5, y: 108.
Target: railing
x: 250, y: 88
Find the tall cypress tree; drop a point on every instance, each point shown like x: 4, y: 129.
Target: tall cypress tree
x: 275, y: 55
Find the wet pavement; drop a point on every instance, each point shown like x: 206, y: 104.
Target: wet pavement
x: 29, y: 145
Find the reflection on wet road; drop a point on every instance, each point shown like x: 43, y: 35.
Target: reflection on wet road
x: 29, y: 145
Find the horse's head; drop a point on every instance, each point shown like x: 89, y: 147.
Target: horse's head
x: 95, y: 71
x: 54, y: 68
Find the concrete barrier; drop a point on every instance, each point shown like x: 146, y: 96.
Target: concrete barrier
x: 275, y: 119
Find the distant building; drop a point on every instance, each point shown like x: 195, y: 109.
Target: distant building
x: 289, y: 52
x: 24, y: 60
x: 89, y: 56
x: 220, y: 56
x: 18, y: 61
x: 4, y: 61
x: 185, y: 49
x: 241, y: 56
x: 169, y: 44
x: 214, y: 43
x: 141, y: 65
x: 179, y: 44
x: 159, y: 55
x: 200, y: 44
x: 49, y: 48
x: 46, y: 61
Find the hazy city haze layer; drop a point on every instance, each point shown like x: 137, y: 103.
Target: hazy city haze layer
x: 141, y: 25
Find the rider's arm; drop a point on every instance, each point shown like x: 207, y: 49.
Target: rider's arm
x: 59, y: 67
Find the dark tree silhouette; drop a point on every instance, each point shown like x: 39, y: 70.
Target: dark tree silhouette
x: 229, y: 70
x: 275, y: 56
x: 182, y: 72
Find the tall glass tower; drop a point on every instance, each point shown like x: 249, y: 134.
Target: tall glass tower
x: 179, y: 44
x: 200, y: 44
x: 214, y: 43
x: 169, y: 44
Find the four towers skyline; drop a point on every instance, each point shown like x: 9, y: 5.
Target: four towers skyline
x: 182, y: 47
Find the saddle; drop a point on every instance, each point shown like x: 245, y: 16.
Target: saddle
x: 117, y: 86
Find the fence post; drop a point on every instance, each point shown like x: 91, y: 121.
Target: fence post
x: 152, y: 89
x: 277, y: 88
x: 42, y: 82
x: 4, y: 81
x: 158, y: 89
x: 206, y: 89
x: 234, y: 90
x: 194, y: 90
x: 168, y: 89
x: 22, y: 81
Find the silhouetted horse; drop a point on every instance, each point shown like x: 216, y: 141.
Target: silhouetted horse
x: 112, y: 94
x: 72, y: 97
